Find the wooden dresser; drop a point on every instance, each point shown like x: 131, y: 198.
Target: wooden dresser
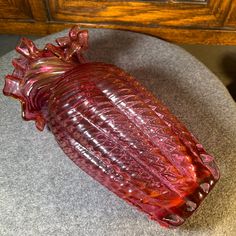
x: 182, y: 21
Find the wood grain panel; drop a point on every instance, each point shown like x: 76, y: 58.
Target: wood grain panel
x: 220, y: 9
x: 231, y: 17
x: 15, y: 9
x: 138, y: 13
x: 38, y: 9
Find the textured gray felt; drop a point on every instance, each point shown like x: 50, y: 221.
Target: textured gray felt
x: 43, y: 193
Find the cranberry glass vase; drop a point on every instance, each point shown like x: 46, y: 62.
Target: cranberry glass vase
x: 114, y: 129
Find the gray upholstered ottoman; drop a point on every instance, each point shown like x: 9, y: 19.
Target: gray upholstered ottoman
x: 43, y: 193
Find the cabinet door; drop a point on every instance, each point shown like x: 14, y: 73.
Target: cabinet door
x: 190, y: 21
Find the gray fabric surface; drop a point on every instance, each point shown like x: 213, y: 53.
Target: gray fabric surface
x: 43, y: 193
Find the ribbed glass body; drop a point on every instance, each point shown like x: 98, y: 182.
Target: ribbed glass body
x: 115, y: 130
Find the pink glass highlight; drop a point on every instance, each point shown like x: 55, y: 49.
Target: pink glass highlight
x: 113, y: 128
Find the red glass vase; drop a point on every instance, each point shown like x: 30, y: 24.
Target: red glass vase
x: 113, y: 128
